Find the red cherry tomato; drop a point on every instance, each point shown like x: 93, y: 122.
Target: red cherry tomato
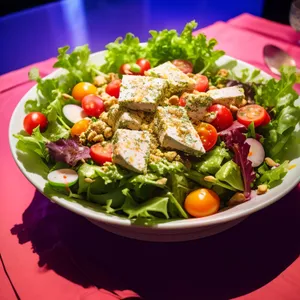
x: 33, y: 120
x: 224, y: 118
x: 144, y: 64
x: 182, y: 101
x: 113, y: 88
x: 101, y: 154
x: 251, y: 113
x: 201, y: 83
x: 82, y: 89
x: 92, y: 105
x: 266, y: 120
x: 184, y: 65
x: 208, y: 135
x: 125, y: 69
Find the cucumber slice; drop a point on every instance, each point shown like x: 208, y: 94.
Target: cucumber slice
x: 73, y: 113
x: 62, y: 177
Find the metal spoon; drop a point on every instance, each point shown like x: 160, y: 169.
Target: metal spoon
x: 275, y: 58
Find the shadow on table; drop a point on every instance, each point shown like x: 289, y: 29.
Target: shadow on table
x: 230, y: 264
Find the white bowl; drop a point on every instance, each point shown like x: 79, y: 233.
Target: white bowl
x: 171, y: 231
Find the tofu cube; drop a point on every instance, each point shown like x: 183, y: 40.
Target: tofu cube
x: 131, y: 149
x: 141, y: 92
x: 175, y: 131
x: 233, y: 95
x: 129, y: 120
x: 196, y: 105
x: 178, y: 81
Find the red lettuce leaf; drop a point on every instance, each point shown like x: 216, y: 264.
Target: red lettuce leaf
x: 235, y: 141
x: 235, y: 126
x: 68, y: 151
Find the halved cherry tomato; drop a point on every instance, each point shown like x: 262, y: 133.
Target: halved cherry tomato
x: 80, y: 127
x: 182, y: 101
x: 144, y: 64
x: 208, y: 135
x: 93, y: 105
x: 82, y: 89
x: 113, y: 88
x: 201, y: 83
x: 251, y: 113
x: 267, y: 119
x: 184, y: 65
x: 125, y: 69
x: 33, y: 120
x: 224, y: 118
x: 202, y: 203
x: 101, y: 154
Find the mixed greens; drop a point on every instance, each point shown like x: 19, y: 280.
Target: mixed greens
x: 79, y: 159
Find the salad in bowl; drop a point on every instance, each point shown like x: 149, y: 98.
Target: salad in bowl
x: 161, y: 131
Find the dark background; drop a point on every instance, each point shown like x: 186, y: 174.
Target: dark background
x: 276, y: 10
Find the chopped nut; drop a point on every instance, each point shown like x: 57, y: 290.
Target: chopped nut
x: 262, y: 189
x: 212, y: 87
x: 99, y: 80
x: 236, y: 199
x: 210, y: 179
x: 67, y: 96
x: 243, y: 103
x: 220, y: 85
x: 110, y: 102
x: 270, y: 162
x: 104, y: 117
x: 113, y: 76
x: 108, y: 132
x: 162, y: 181
x: 190, y: 75
x: 89, y: 180
x: 223, y: 73
x: 98, y: 138
x: 174, y: 100
x: 154, y: 158
x: 98, y: 126
x: 233, y: 108
x: 170, y: 155
x: 107, y: 163
x: 91, y: 135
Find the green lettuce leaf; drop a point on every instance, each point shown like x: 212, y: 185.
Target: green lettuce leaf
x: 230, y: 173
x: 211, y: 162
x: 145, y: 209
x: 121, y: 51
x: 167, y: 45
x: 164, y: 167
x: 279, y: 97
x: 77, y: 62
x: 274, y: 176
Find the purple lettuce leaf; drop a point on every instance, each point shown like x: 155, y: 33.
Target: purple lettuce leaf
x: 235, y: 141
x: 68, y: 151
x: 235, y: 126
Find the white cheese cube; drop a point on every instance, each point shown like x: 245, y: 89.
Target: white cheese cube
x: 178, y: 81
x: 175, y: 131
x: 233, y: 95
x: 131, y: 149
x: 196, y: 105
x: 141, y: 92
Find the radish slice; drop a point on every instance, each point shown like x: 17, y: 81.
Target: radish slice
x: 73, y: 113
x: 63, y: 177
x: 256, y: 153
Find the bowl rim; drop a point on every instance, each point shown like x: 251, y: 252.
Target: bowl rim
x: 222, y: 217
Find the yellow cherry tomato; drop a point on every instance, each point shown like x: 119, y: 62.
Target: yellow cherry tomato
x: 202, y: 202
x: 79, y: 127
x: 83, y: 89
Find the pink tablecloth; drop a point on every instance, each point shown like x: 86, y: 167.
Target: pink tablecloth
x: 59, y: 255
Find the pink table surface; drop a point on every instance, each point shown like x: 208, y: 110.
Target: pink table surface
x: 59, y: 255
